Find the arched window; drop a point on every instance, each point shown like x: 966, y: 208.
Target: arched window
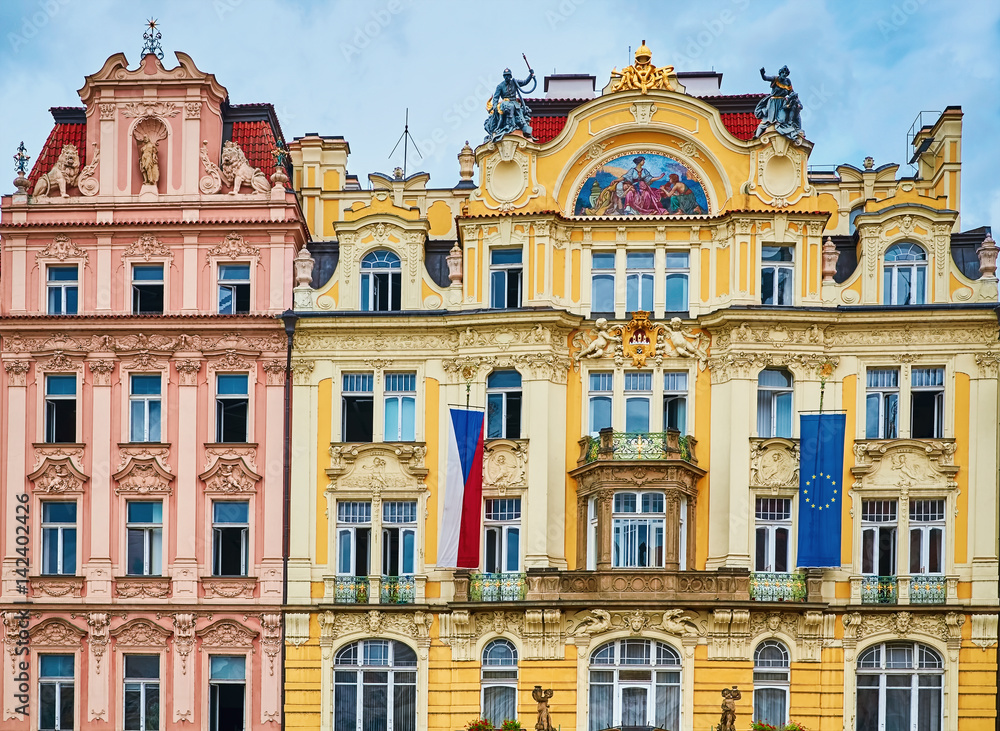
x: 381, y: 282
x: 905, y: 276
x: 375, y: 686
x: 499, y: 681
x: 774, y: 403
x: 770, y: 683
x: 503, y: 405
x: 900, y: 685
x: 635, y: 683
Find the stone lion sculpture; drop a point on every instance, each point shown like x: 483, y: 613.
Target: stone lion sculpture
x: 62, y: 175
x: 236, y: 170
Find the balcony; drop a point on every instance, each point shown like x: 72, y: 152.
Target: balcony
x: 351, y: 590
x: 928, y: 589
x: 647, y: 585
x: 778, y: 587
x: 395, y: 590
x: 879, y: 590
x: 506, y: 587
x: 618, y: 445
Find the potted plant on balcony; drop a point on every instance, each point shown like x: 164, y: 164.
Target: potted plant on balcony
x: 790, y: 726
x: 480, y: 724
x: 510, y: 724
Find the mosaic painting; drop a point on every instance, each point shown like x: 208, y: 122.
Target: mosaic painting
x: 641, y: 184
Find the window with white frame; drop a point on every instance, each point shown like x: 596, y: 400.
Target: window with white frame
x: 904, y: 277
x: 771, y: 674
x: 678, y: 273
x: 635, y: 682
x: 499, y: 682
x: 62, y: 289
x: 927, y: 524
x: 399, y: 537
x: 773, y: 516
x: 591, y: 533
x: 230, y: 538
x: 400, y: 411
x: 503, y: 405
x: 232, y: 407
x: 358, y: 407
x: 602, y: 282
x: 638, y: 524
x: 878, y: 537
x: 381, y: 282
x: 354, y: 528
x: 927, y: 403
x: 144, y: 538
x: 375, y: 686
x: 502, y: 536
x: 60, y: 409
x: 226, y: 692
x: 777, y: 276
x: 56, y: 692
x: 144, y: 407
x: 900, y: 686
x: 882, y: 403
x: 505, y: 278
x: 639, y: 273
x: 774, y: 403
x: 638, y: 398
x: 59, y: 538
x: 234, y: 288
x: 675, y: 396
x: 147, y: 289
x: 142, y: 693
x: 601, y: 395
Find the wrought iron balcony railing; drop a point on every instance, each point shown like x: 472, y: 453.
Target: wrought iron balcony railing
x: 610, y: 444
x: 879, y: 590
x: 397, y: 590
x: 778, y: 587
x: 351, y: 590
x: 928, y: 589
x: 505, y: 587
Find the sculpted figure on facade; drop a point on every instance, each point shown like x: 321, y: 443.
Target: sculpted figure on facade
x: 643, y: 75
x: 781, y: 109
x: 237, y: 170
x: 63, y: 174
x: 541, y: 697
x: 148, y: 134
x: 604, y: 341
x: 728, y: 720
x: 507, y: 109
x: 677, y: 622
x: 684, y: 342
x: 598, y: 621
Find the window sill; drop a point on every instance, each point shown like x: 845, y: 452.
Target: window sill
x: 56, y: 586
x: 142, y: 587
x: 228, y: 587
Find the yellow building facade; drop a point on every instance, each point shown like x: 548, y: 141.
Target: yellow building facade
x: 643, y: 347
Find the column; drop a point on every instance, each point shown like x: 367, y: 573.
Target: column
x: 271, y: 489
x: 672, y: 535
x: 184, y: 569
x: 97, y: 568
x: 535, y: 510
x: 605, y: 499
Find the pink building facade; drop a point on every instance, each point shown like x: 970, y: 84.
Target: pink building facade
x: 143, y: 408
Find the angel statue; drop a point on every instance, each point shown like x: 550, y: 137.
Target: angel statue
x: 603, y: 342
x: 544, y: 722
x: 729, y: 698
x: 507, y: 109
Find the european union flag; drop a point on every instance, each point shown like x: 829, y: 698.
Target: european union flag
x: 821, y: 465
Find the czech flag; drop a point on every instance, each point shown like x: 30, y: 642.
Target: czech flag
x: 458, y: 541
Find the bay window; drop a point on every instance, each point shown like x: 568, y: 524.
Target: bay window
x: 638, y: 530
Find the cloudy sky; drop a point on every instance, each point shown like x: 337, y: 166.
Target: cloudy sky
x: 864, y: 69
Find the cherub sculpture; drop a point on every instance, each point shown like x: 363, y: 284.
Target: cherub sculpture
x: 729, y: 698
x: 544, y: 722
x: 603, y: 341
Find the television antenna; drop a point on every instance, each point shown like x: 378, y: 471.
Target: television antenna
x: 406, y: 138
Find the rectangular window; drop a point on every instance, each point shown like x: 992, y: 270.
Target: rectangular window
x: 927, y: 536
x: 505, y: 278
x: 230, y: 538
x: 232, y: 407
x: 62, y: 289
x: 774, y: 404
x: 773, y: 534
x: 502, y: 544
x: 639, y: 281
x: 927, y: 403
x: 400, y: 407
x: 144, y: 538
x: 503, y: 405
x: 777, y: 276
x: 600, y: 401
x: 55, y: 692
x: 226, y: 693
x: 638, y: 529
x: 399, y: 536
x: 147, y: 289
x: 142, y: 693
x: 878, y: 537
x: 678, y: 270
x: 234, y: 289
x: 59, y: 538
x: 882, y: 404
x: 144, y: 408
x: 602, y: 282
x: 354, y: 527
x: 60, y: 409
x: 358, y: 404
x: 675, y: 394
x: 638, y: 395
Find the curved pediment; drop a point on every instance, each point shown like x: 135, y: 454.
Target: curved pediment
x: 143, y: 477
x: 377, y: 468
x: 908, y: 463
x: 141, y: 633
x: 230, y: 476
x: 58, y: 476
x: 56, y: 633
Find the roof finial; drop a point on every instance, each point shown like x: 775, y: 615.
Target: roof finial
x: 151, y: 40
x: 21, y: 167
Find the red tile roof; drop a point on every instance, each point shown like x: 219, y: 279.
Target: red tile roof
x: 257, y: 141
x: 61, y: 134
x: 741, y: 125
x: 544, y: 129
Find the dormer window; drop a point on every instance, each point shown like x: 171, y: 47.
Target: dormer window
x: 381, y: 282
x: 905, y: 276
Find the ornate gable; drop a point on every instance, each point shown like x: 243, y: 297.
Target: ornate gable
x: 143, y: 476
x: 377, y: 468
x: 56, y: 633
x: 226, y: 633
x: 229, y: 476
x: 58, y: 476
x: 905, y: 463
x: 141, y: 633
